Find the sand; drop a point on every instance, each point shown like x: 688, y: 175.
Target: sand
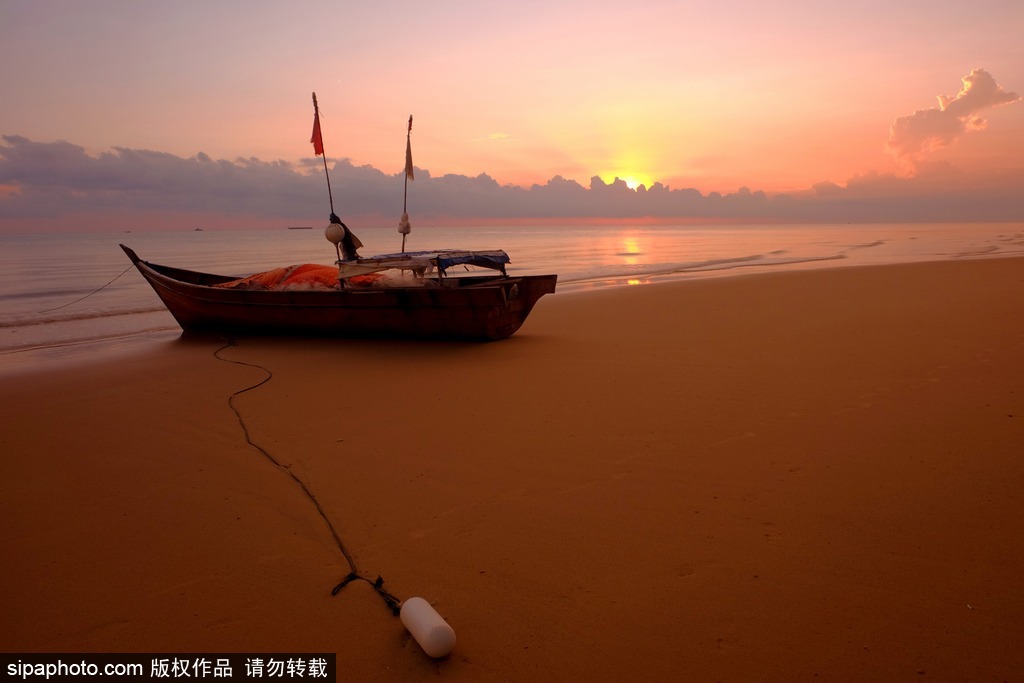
x: 771, y: 477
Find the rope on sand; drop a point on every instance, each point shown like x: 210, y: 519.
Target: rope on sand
x: 378, y: 585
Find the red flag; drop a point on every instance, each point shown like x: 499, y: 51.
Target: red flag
x: 317, y: 139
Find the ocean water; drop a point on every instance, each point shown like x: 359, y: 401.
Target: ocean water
x: 50, y: 308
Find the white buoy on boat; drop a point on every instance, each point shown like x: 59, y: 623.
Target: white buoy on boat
x: 335, y: 233
x: 432, y: 632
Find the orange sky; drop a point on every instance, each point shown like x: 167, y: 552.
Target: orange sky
x: 715, y: 96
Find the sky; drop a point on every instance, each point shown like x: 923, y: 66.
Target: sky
x: 794, y: 109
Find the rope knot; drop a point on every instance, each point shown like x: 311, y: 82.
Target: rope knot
x: 344, y: 582
x: 390, y: 600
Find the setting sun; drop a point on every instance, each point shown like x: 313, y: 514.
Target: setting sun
x: 632, y: 180
x: 635, y: 181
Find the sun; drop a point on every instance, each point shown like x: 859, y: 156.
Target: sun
x: 635, y: 181
x: 632, y: 179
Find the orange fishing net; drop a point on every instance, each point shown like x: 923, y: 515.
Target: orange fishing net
x: 308, y: 275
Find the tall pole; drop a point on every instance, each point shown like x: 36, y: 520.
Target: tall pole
x: 403, y: 225
x: 318, y: 148
x: 408, y: 166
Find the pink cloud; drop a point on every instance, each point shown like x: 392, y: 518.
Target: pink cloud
x: 914, y: 136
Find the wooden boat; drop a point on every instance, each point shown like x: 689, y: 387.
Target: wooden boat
x: 432, y: 305
x: 355, y: 298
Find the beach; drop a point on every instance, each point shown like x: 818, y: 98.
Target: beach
x: 778, y: 476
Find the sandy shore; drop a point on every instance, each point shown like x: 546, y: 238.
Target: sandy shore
x: 772, y: 477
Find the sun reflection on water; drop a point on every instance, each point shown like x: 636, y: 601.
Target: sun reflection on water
x: 630, y: 250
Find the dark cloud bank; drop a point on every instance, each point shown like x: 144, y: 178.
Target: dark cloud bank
x: 48, y: 183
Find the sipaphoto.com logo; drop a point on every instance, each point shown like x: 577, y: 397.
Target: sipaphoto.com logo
x: 59, y: 669
x: 123, y: 667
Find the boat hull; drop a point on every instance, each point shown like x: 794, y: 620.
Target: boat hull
x: 471, y: 308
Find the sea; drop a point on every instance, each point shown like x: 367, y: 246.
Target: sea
x: 66, y: 297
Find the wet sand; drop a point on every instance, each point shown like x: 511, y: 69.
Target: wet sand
x: 766, y: 477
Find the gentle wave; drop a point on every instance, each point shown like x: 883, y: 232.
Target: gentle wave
x: 668, y: 271
x: 29, y: 321
x: 88, y: 339
x: 984, y: 251
x: 868, y: 245
x: 42, y: 294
